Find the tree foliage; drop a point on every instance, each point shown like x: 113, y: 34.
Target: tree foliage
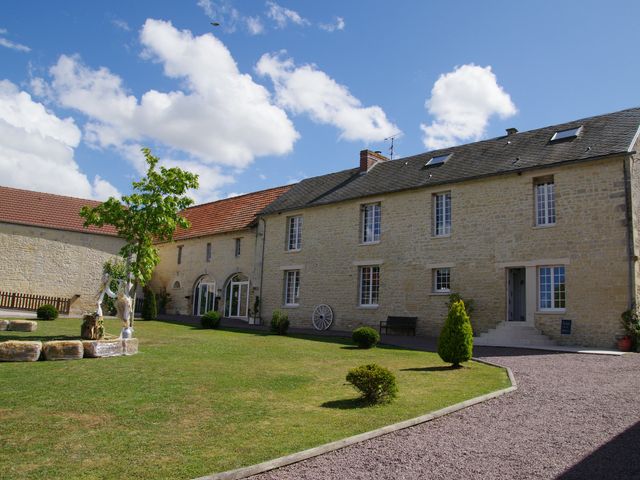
x: 455, y: 344
x: 150, y: 214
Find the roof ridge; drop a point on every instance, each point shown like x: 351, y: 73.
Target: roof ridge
x: 585, y: 119
x: 50, y: 194
x: 237, y: 196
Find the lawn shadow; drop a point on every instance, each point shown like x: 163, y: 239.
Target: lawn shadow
x: 345, y: 404
x: 351, y: 347
x: 440, y: 368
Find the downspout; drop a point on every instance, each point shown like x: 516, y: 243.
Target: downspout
x: 631, y: 234
x: 264, y: 237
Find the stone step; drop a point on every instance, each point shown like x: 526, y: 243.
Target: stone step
x: 513, y: 335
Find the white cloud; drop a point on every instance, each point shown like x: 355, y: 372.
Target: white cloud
x: 262, y: 176
x: 210, y: 177
x: 305, y: 89
x: 282, y: 16
x: 223, y: 12
x: 338, y: 24
x: 254, y: 25
x: 207, y: 7
x: 37, y: 149
x: 462, y: 102
x: 220, y: 119
x: 121, y: 24
x: 4, y: 42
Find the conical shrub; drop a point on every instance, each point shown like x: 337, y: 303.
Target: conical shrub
x: 455, y: 344
x: 149, y: 306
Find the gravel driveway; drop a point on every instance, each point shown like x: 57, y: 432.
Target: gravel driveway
x: 573, y: 417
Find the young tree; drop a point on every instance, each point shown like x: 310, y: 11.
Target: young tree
x: 455, y: 344
x: 150, y: 213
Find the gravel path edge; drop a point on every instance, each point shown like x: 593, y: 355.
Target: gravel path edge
x: 258, y: 468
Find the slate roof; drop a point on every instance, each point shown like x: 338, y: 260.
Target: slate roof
x: 25, y: 207
x: 601, y: 136
x: 231, y: 214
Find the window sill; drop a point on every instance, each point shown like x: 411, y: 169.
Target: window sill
x: 376, y: 242
x: 291, y: 305
x: 441, y: 236
x: 292, y: 251
x: 368, y: 307
x: 549, y: 225
x: 556, y: 311
x: 440, y: 294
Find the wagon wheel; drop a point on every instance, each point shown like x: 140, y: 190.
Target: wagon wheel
x: 322, y: 317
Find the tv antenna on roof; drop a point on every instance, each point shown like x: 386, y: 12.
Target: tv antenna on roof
x: 392, y: 138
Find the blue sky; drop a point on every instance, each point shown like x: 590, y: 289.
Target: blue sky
x: 285, y: 90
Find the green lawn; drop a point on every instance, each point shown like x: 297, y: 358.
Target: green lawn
x: 194, y: 402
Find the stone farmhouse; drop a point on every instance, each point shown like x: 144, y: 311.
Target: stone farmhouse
x: 46, y: 251
x: 216, y: 264
x: 539, y: 228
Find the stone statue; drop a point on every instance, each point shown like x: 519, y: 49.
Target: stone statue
x: 105, y: 289
x: 124, y: 305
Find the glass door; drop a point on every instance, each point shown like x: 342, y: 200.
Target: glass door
x: 237, y: 301
x: 203, y: 298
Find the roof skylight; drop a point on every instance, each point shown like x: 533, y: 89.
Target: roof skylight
x: 438, y: 160
x: 568, y: 133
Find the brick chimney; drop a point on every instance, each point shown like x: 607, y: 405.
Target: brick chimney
x: 368, y: 159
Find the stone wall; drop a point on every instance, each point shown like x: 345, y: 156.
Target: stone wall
x: 53, y: 262
x: 493, y: 228
x: 179, y: 280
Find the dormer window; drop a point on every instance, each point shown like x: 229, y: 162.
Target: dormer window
x: 566, y: 134
x: 437, y: 160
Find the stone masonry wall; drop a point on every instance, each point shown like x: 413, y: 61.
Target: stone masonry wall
x: 223, y: 265
x: 56, y: 263
x: 492, y: 227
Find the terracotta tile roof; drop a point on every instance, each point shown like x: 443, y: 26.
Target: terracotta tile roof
x: 46, y: 210
x: 236, y: 213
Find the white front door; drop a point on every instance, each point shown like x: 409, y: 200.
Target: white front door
x: 203, y: 298
x: 237, y: 301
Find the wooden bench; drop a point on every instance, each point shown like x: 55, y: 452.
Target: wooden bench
x: 406, y: 324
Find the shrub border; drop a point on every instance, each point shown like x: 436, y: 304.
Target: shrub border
x: 258, y: 468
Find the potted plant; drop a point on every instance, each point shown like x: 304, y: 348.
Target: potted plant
x: 630, y: 321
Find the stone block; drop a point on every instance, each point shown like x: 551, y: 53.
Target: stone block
x: 129, y: 346
x: 22, y: 325
x: 62, y: 350
x: 102, y: 348
x: 4, y: 324
x: 20, y: 351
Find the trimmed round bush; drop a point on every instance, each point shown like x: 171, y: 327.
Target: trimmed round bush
x: 455, y: 344
x: 149, y: 305
x: 211, y: 319
x: 365, y: 337
x: 47, y: 312
x: 376, y: 384
x: 279, y: 322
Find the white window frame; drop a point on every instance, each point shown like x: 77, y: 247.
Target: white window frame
x: 556, y: 297
x: 369, y: 285
x: 292, y: 288
x: 294, y: 233
x: 442, y: 214
x: 545, y: 199
x: 370, y: 223
x: 439, y: 274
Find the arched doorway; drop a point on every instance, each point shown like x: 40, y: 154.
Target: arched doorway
x: 204, y: 296
x: 236, y: 297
